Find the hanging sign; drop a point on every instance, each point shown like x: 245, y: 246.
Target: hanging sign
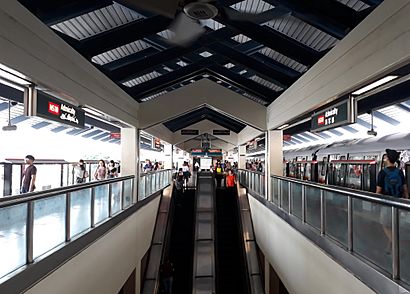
x: 115, y: 135
x: 340, y: 114
x: 157, y: 143
x: 221, y: 132
x: 57, y: 110
x: 189, y: 132
x: 197, y: 152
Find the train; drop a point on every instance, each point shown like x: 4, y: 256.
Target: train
x: 351, y: 163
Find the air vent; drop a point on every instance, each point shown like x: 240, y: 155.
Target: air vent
x: 200, y: 11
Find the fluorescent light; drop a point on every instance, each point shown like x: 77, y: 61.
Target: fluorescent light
x: 12, y: 76
x: 375, y: 85
x: 282, y: 127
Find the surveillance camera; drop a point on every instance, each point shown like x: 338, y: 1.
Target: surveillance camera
x: 372, y: 133
x: 14, y: 103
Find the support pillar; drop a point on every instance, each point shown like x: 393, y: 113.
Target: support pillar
x: 130, y: 156
x: 168, y: 156
x: 274, y: 157
x: 242, y: 157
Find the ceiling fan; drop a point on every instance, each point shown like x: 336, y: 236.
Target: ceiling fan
x: 186, y: 26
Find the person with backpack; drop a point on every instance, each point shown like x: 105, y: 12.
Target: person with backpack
x: 390, y: 182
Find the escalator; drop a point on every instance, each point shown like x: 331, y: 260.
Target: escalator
x: 181, y: 248
x: 231, y: 266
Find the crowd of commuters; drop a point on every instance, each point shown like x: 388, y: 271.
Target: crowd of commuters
x: 255, y: 165
x: 148, y: 166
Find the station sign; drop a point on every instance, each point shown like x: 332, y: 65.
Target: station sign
x: 198, y: 152
x: 157, y: 143
x: 115, y: 135
x: 189, y: 132
x: 221, y: 132
x: 214, y: 152
x: 340, y: 114
x: 43, y: 105
x: 287, y: 138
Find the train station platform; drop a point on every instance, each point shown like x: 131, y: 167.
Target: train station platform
x: 293, y: 114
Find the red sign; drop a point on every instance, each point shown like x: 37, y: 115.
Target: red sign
x: 115, y: 136
x: 53, y: 108
x: 321, y: 120
x: 287, y: 138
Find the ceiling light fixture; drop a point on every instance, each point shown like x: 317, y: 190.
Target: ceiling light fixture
x: 12, y: 76
x: 283, y: 126
x: 374, y: 85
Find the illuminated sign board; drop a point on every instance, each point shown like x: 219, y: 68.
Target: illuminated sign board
x: 115, y: 136
x: 340, y: 114
x: 198, y: 152
x: 221, y: 132
x: 214, y: 152
x: 189, y: 132
x: 57, y: 110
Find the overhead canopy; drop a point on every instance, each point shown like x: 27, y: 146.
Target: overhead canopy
x: 258, y: 60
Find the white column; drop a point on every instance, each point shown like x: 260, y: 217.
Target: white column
x: 168, y: 156
x: 274, y: 156
x: 242, y: 156
x: 130, y: 156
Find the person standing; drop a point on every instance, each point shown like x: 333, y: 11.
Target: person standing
x: 28, y: 178
x: 111, y: 170
x: 230, y: 181
x: 80, y: 172
x: 101, y: 171
x: 390, y: 182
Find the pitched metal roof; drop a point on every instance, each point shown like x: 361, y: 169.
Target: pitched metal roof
x: 264, y: 58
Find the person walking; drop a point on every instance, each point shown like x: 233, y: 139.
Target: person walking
x: 101, y: 171
x: 80, y: 172
x: 28, y: 178
x: 111, y: 170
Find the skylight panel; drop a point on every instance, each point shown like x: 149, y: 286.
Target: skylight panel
x: 205, y: 54
x: 266, y: 83
x: 141, y: 79
x: 252, y: 6
x: 182, y: 63
x: 241, y: 38
x: 145, y: 99
x: 229, y: 65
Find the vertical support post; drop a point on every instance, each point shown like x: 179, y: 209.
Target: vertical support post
x: 349, y: 223
x: 322, y: 213
x: 68, y: 217
x: 395, y: 243
x: 122, y: 195
x: 290, y: 197
x: 109, y: 200
x: 280, y: 193
x: 303, y: 204
x: 130, y: 156
x: 61, y: 175
x: 92, y: 208
x: 29, y: 232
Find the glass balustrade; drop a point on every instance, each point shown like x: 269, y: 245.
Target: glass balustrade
x: 373, y: 227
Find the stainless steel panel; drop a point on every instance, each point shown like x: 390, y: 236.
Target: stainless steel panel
x: 253, y: 265
x: 204, y: 258
x: 203, y: 286
x: 154, y: 261
x: 149, y: 287
x: 256, y: 285
x: 204, y: 226
x: 160, y: 228
x: 247, y: 226
x: 205, y: 202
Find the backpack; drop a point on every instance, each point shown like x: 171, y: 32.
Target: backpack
x: 393, y: 182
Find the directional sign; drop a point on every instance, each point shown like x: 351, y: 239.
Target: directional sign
x: 340, y: 114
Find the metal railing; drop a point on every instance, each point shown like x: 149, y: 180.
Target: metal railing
x: 36, y: 223
x: 374, y: 228
x: 151, y: 182
x: 253, y: 180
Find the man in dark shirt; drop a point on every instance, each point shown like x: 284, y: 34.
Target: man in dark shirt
x: 28, y: 176
x: 390, y: 182
x: 389, y: 159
